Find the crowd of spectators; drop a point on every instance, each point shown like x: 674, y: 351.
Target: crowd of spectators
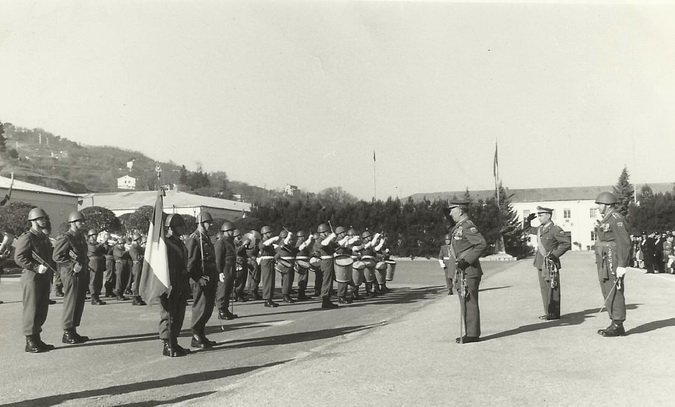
x: 654, y: 252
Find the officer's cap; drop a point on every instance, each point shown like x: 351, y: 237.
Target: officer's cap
x: 541, y: 209
x: 457, y: 204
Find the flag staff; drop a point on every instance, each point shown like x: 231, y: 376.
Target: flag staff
x: 374, y: 177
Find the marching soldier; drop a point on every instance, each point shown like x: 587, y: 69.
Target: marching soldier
x: 467, y: 246
x: 70, y: 255
x: 286, y: 252
x: 95, y: 252
x: 315, y: 264
x: 343, y: 248
x: 226, y: 258
x: 552, y: 242
x: 612, y: 256
x: 324, y: 248
x: 109, y: 273
x: 136, y: 253
x: 203, y: 272
x: 357, y: 269
x: 121, y: 256
x: 447, y: 263
x: 367, y: 255
x: 302, y: 263
x: 267, y: 253
x: 250, y: 245
x: 172, y: 304
x: 33, y: 255
x: 241, y: 268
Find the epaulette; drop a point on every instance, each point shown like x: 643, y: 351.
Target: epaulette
x: 616, y: 215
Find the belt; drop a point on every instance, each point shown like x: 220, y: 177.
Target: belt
x: 266, y: 257
x: 605, y: 244
x: 287, y: 257
x: 367, y: 257
x: 301, y: 257
x: 326, y: 257
x: 446, y: 258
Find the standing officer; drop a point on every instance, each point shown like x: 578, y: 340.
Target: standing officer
x: 33, y: 255
x: 302, y: 262
x: 70, y: 255
x: 241, y: 268
x: 552, y: 242
x: 324, y: 248
x: 447, y: 263
x: 95, y: 252
x: 343, y: 248
x: 136, y: 253
x: 267, y: 253
x: 467, y: 246
x: 203, y: 272
x: 172, y: 304
x: 226, y: 258
x: 612, y: 256
x: 109, y: 273
x: 251, y: 249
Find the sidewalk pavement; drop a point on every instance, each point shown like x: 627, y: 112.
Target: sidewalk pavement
x: 521, y: 360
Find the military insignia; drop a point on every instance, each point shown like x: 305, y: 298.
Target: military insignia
x: 473, y: 229
x: 458, y: 233
x: 562, y: 232
x: 605, y: 227
x: 619, y: 223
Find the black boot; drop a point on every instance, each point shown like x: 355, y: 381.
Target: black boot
x: 271, y: 304
x: 303, y: 297
x: 197, y: 342
x: 138, y: 301
x: 614, y: 329
x: 327, y: 304
x: 95, y: 300
x: 45, y: 346
x: 71, y: 337
x: 288, y: 299
x: 32, y: 346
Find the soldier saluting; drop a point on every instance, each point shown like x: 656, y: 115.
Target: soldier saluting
x: 33, y: 255
x: 552, y: 242
x: 70, y: 255
x: 467, y: 245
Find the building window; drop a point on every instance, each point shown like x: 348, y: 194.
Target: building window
x: 594, y: 213
x: 567, y: 213
x: 592, y: 236
x: 526, y: 213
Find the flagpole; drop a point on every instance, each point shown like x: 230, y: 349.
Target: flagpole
x: 374, y: 177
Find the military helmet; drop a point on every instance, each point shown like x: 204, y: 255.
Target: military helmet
x: 174, y: 220
x: 323, y: 228
x: 36, y: 213
x: 136, y: 236
x: 266, y: 229
x: 340, y: 229
x: 255, y: 234
x: 75, y: 216
x: 227, y: 226
x: 203, y: 217
x: 365, y: 234
x: 283, y: 234
x: 607, y: 198
x: 91, y: 232
x: 447, y: 237
x: 352, y: 232
x: 301, y: 233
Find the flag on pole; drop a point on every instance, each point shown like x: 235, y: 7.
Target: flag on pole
x: 154, y: 279
x: 374, y: 156
x: 495, y: 166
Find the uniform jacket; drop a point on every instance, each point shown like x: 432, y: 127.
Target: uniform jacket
x: 66, y: 245
x: 226, y: 256
x: 554, y: 241
x: 468, y: 244
x: 197, y: 244
x: 614, y: 240
x: 29, y: 242
x: 177, y: 258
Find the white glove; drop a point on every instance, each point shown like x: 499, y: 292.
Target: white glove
x: 440, y: 262
x: 271, y: 240
x: 42, y: 269
x: 288, y: 239
x: 620, y: 271
x: 221, y: 277
x: 329, y: 239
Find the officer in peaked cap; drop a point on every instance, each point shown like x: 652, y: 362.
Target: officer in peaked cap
x: 552, y: 242
x: 226, y: 258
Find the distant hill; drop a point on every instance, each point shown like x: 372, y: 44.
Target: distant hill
x: 40, y: 157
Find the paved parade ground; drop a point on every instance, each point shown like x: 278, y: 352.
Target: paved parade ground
x: 391, y: 351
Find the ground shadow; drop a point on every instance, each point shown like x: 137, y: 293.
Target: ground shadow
x: 575, y: 318
x: 651, y: 326
x: 494, y: 288
x: 152, y: 403
x: 142, y: 386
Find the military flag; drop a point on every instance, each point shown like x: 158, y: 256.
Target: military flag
x: 155, y: 275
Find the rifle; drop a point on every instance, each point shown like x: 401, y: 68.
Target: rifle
x: 42, y: 262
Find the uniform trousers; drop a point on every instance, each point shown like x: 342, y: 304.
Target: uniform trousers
x: 171, y: 316
x: 121, y: 276
x: 287, y: 282
x: 303, y: 278
x: 328, y: 275
x: 224, y: 291
x: 253, y: 276
x: 202, y: 307
x: 74, y: 295
x: 616, y: 302
x: 469, y: 307
x: 550, y: 297
x: 35, y: 300
x: 109, y: 274
x: 96, y: 264
x: 318, y: 281
x: 136, y: 270
x: 267, y: 275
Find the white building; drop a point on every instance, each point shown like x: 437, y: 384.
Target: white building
x: 126, y: 182
x: 58, y: 204
x: 179, y: 202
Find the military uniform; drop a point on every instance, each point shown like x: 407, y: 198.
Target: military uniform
x: 96, y: 253
x: 467, y: 246
x: 136, y: 254
x: 287, y: 253
x: 109, y: 273
x: 70, y: 255
x: 122, y: 259
x: 612, y: 250
x: 35, y: 280
x: 252, y: 252
x: 325, y: 250
x: 201, y: 265
x: 303, y: 272
x: 226, y: 258
x: 267, y: 275
x: 241, y: 272
x: 172, y: 311
x: 552, y: 242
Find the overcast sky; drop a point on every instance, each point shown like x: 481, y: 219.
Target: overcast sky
x: 301, y: 93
